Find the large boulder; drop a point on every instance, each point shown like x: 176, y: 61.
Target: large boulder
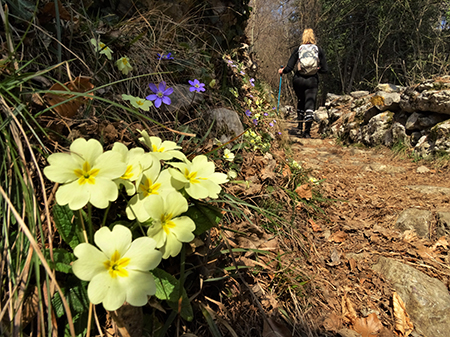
x: 227, y: 124
x: 426, y: 299
x: 374, y: 132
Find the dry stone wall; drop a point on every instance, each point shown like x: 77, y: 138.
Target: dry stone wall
x: 417, y: 116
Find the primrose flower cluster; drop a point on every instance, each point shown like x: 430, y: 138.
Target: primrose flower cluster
x: 255, y: 141
x: 155, y: 182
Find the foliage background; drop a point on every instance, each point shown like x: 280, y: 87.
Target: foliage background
x: 366, y: 42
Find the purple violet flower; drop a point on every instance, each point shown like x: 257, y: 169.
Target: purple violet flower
x: 160, y: 95
x: 248, y: 113
x: 252, y: 82
x: 168, y: 56
x: 271, y: 124
x: 196, y: 86
x: 266, y: 114
x: 242, y: 73
x: 255, y: 121
x: 278, y: 133
x: 274, y: 121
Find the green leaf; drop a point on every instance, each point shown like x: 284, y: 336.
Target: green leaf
x: 75, y: 291
x: 63, y: 219
x: 62, y: 260
x: 168, y: 289
x: 205, y: 216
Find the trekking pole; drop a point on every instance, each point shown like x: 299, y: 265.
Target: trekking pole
x: 279, y: 93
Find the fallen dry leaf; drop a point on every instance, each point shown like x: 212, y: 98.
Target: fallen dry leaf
x: 368, y: 326
x: 304, y: 191
x: 286, y: 171
x: 315, y: 227
x: 348, y: 311
x: 352, y: 263
x: 425, y: 252
x: 335, y: 258
x: 69, y: 109
x: 348, y: 333
x: 48, y: 12
x: 441, y: 242
x: 332, y: 322
x: 338, y: 237
x: 402, y: 322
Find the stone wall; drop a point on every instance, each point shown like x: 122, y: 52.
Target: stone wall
x: 417, y: 116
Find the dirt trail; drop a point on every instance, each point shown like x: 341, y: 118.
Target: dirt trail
x: 375, y: 186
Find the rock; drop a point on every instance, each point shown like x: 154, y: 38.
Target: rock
x: 182, y: 98
x: 423, y: 147
x: 227, y: 124
x: 359, y: 94
x: 426, y: 299
x: 376, y: 167
x: 288, y: 112
x: 441, y: 134
x: 443, y: 223
x: 395, y: 135
x: 428, y: 100
x: 430, y: 189
x: 372, y: 112
x: 422, y: 169
x: 415, y: 137
x: 373, y: 133
x: 422, y: 121
x: 387, y: 87
x: 415, y: 219
x: 386, y: 101
x: 321, y: 115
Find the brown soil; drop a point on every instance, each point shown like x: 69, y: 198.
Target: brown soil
x: 370, y: 187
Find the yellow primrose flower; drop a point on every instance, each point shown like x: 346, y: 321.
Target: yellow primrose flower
x: 153, y: 182
x: 87, y: 174
x: 198, y: 177
x: 228, y: 155
x: 102, y: 48
x: 296, y: 165
x: 137, y: 161
x: 168, y: 228
x: 232, y: 174
x: 124, y: 65
x: 162, y: 150
x: 137, y: 102
x: 314, y: 180
x: 118, y: 272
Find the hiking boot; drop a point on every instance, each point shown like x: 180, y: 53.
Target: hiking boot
x: 307, y: 133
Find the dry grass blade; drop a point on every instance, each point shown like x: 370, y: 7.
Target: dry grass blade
x: 37, y: 250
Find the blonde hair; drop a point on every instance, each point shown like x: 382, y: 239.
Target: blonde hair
x: 308, y: 36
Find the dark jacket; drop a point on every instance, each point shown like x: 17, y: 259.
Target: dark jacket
x: 294, y: 59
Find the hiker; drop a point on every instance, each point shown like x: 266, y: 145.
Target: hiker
x: 311, y: 61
